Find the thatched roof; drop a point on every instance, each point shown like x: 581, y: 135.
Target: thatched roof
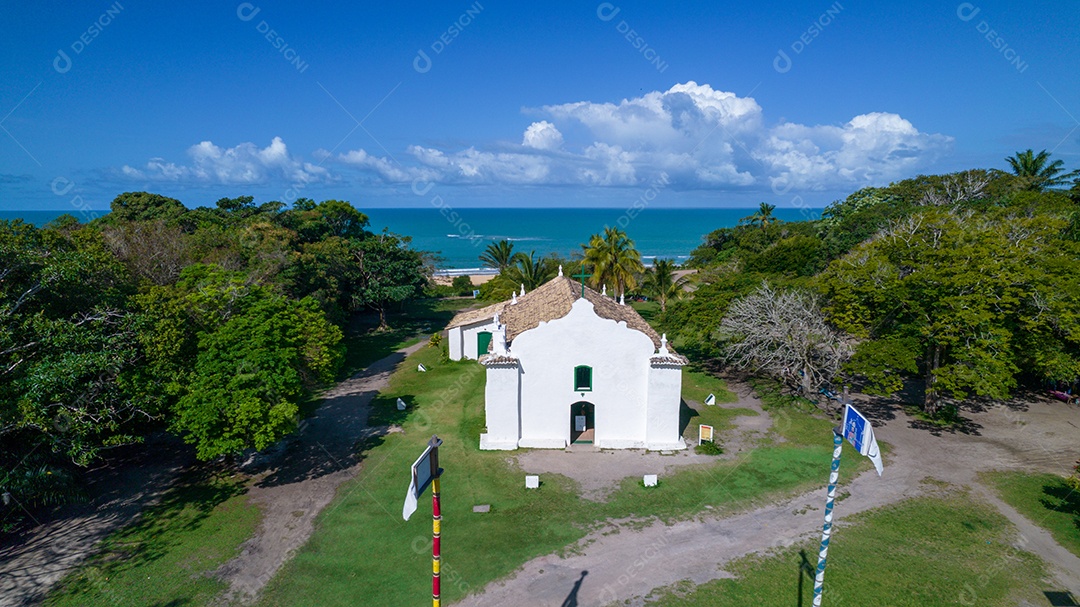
x: 550, y: 301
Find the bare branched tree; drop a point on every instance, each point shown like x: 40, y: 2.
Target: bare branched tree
x: 958, y: 188
x: 784, y: 334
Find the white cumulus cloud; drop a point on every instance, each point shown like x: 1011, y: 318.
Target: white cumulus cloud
x: 542, y: 136
x: 696, y: 136
x: 244, y: 164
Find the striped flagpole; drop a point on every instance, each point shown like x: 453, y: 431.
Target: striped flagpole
x: 436, y: 548
x: 826, y: 531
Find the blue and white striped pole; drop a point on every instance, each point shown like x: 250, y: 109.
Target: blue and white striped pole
x: 826, y: 531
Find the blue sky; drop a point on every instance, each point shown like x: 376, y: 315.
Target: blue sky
x: 541, y: 104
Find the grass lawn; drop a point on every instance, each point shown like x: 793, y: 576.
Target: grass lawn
x: 362, y: 547
x: 166, y: 556
x: 920, y: 553
x: 1043, y: 499
x: 408, y: 325
x: 647, y: 309
x: 697, y: 385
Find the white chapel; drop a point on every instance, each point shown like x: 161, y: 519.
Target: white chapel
x: 565, y: 365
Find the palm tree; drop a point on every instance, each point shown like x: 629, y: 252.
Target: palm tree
x: 528, y: 270
x: 1034, y: 172
x: 498, y: 255
x: 763, y: 216
x: 613, y: 259
x: 661, y: 284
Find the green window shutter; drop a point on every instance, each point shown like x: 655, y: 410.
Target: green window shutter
x: 582, y: 378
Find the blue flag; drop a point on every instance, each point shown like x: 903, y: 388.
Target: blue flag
x: 860, y: 433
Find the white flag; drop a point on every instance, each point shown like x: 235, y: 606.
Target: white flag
x: 410, y: 499
x: 860, y: 433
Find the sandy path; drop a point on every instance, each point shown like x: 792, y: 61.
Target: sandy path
x: 33, y: 561
x: 627, y: 565
x: 313, y: 466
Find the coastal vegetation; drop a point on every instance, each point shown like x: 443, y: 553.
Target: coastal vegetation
x: 965, y: 282
x: 213, y: 324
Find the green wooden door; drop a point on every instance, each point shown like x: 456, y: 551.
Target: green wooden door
x: 483, y: 340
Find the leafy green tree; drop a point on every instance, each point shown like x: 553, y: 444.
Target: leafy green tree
x: 614, y: 260
x: 498, y: 255
x: 232, y: 360
x: 946, y: 293
x: 1037, y: 173
x: 250, y: 375
x: 144, y: 206
x: 387, y: 272
x: 798, y: 255
x: 661, y: 283
x: 67, y: 346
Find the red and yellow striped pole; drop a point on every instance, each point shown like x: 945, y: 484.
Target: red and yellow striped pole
x: 436, y: 528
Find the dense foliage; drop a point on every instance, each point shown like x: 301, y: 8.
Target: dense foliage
x: 966, y: 282
x: 213, y: 323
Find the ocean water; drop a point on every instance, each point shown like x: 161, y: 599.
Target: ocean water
x: 460, y: 236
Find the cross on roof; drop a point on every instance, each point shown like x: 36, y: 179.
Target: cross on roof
x: 582, y: 275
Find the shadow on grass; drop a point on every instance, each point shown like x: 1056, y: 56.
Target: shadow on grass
x: 686, y: 415
x: 159, y: 529
x: 1062, y: 498
x: 947, y: 420
x: 366, y: 343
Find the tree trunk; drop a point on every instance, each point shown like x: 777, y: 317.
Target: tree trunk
x: 930, y: 398
x: 382, y: 318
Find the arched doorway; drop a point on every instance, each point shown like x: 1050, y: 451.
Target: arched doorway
x: 582, y: 419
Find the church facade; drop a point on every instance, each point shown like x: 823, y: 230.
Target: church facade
x: 569, y: 365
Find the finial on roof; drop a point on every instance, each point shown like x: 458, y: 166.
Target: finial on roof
x: 523, y: 290
x: 663, y: 344
x: 496, y: 319
x: 604, y: 292
x: 513, y: 298
x: 560, y: 269
x: 622, y: 299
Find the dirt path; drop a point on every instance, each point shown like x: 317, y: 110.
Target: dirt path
x: 36, y: 559
x: 625, y: 566
x: 312, y: 467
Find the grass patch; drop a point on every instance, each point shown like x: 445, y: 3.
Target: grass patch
x: 648, y: 310
x: 166, y: 557
x: 362, y: 548
x: 920, y: 553
x: 365, y: 343
x: 696, y: 386
x: 709, y: 448
x: 1043, y: 499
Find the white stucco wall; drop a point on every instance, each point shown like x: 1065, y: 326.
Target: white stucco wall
x: 453, y: 341
x: 501, y: 397
x: 619, y: 357
x: 665, y: 394
x: 465, y: 346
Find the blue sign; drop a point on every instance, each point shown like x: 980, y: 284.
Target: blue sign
x: 854, y: 428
